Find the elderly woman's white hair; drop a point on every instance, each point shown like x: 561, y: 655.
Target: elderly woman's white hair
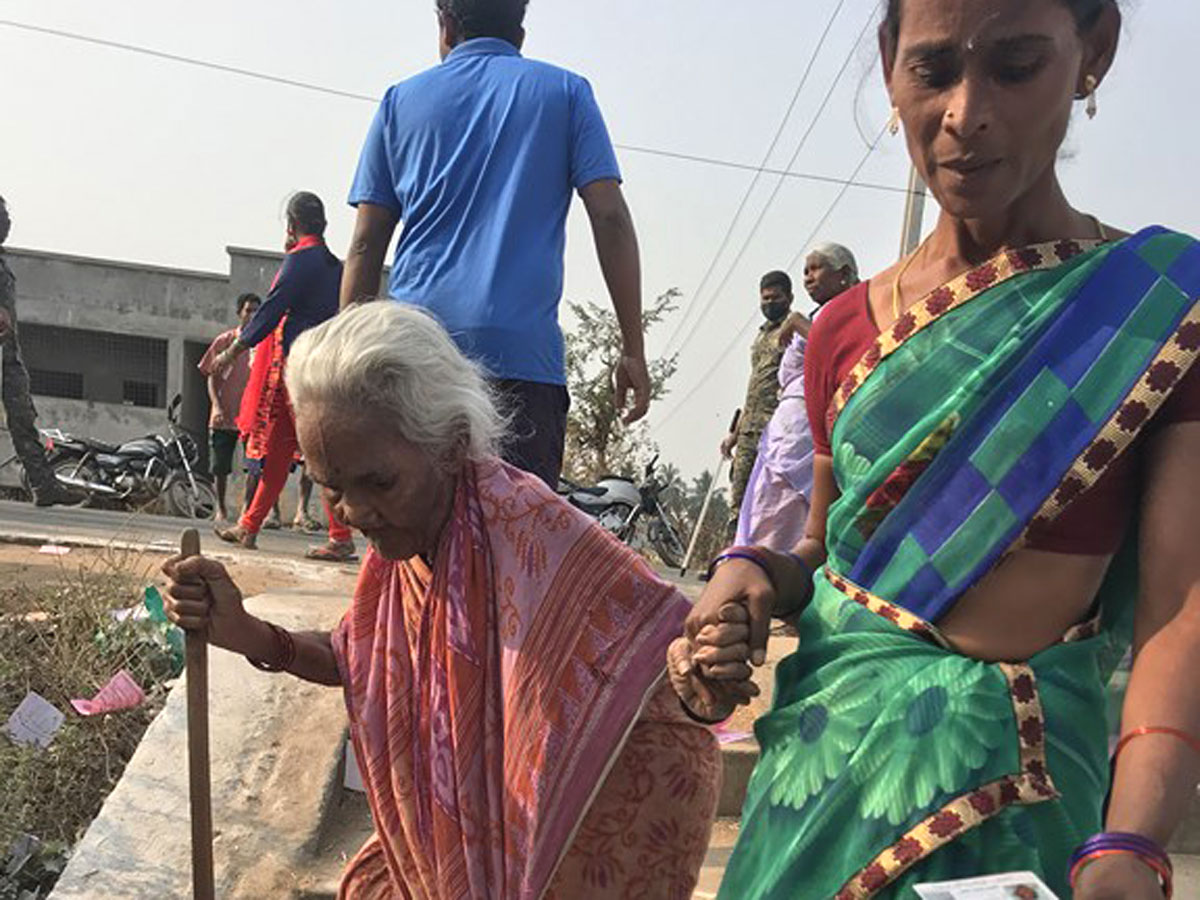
x: 391, y: 360
x: 837, y: 257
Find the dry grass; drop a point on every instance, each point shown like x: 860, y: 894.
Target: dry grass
x: 61, y: 640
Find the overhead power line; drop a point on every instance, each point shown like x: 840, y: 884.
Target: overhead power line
x: 367, y: 98
x: 738, y: 338
x: 749, y: 192
x: 187, y: 60
x: 762, y: 216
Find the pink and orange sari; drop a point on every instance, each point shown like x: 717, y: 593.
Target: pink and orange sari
x: 509, y: 711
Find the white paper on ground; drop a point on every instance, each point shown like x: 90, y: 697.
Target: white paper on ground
x: 1010, y: 886
x: 35, y: 722
x: 353, y: 780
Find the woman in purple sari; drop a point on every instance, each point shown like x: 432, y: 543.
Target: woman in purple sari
x: 776, y: 504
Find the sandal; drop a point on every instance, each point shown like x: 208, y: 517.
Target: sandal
x: 334, y: 551
x: 235, y: 535
x: 308, y: 525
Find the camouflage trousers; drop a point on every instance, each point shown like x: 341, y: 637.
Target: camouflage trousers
x: 744, y: 456
x: 21, y: 415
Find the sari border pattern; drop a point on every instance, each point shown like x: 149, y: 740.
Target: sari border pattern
x: 1031, y: 785
x: 897, y: 615
x: 1147, y: 396
x: 950, y: 296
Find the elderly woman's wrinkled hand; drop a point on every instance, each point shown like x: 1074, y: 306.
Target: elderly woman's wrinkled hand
x: 721, y: 649
x: 201, y: 597
x: 708, y: 698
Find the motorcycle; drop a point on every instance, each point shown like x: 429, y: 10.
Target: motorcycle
x: 633, y: 512
x: 134, y: 474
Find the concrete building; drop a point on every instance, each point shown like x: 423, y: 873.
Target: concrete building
x: 108, y: 344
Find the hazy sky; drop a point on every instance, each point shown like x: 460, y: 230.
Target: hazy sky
x: 111, y: 154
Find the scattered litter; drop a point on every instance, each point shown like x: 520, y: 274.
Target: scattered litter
x: 121, y: 692
x: 34, y: 722
x: 732, y: 737
x: 153, y: 601
x: 353, y: 780
x: 54, y: 550
x: 135, y: 614
x: 154, y: 604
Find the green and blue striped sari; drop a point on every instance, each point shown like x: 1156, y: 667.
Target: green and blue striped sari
x: 889, y: 759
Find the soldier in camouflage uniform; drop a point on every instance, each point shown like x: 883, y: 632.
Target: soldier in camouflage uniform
x: 18, y: 406
x: 762, y: 395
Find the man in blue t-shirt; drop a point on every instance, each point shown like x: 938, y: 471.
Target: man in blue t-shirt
x: 479, y: 157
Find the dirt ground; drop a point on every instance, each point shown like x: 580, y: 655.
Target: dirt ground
x: 25, y: 570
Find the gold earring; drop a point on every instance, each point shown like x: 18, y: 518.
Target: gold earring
x: 893, y: 125
x: 1090, y: 84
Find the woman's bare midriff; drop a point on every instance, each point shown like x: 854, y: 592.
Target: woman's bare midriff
x: 1025, y: 605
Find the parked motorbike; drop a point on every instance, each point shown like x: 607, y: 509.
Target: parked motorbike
x: 633, y: 512
x: 134, y: 474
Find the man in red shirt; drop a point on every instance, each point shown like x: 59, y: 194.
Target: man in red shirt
x: 225, y: 389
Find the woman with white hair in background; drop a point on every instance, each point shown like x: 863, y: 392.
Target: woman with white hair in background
x: 775, y: 507
x: 502, y: 659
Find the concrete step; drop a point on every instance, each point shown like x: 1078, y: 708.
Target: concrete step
x: 276, y: 751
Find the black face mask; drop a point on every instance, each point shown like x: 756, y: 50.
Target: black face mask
x: 776, y: 311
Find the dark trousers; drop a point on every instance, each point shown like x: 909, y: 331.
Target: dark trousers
x: 538, y: 426
x: 21, y: 416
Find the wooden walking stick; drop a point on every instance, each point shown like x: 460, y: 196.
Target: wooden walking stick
x: 199, y: 780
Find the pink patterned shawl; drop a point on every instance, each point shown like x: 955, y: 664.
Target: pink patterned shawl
x: 489, y: 697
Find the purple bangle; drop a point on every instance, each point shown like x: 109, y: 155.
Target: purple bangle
x: 749, y: 554
x: 1124, y: 841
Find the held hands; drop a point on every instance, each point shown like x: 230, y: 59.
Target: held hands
x: 202, y: 597
x: 631, y: 375
x: 725, y: 635
x: 728, y: 444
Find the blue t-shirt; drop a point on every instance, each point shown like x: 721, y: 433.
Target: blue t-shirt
x: 479, y: 157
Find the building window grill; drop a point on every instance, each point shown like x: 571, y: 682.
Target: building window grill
x: 141, y: 393
x: 100, y: 366
x: 49, y: 383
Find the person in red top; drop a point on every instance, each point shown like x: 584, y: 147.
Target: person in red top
x: 225, y: 389
x: 304, y: 295
x: 1006, y: 427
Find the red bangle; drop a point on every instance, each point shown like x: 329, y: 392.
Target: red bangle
x: 1188, y: 739
x: 1165, y: 876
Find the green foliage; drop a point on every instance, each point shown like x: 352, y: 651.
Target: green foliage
x: 597, y: 441
x: 712, y: 533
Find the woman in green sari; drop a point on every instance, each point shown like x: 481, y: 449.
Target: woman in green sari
x: 1007, y: 435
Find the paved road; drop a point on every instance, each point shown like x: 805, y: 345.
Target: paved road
x: 28, y: 522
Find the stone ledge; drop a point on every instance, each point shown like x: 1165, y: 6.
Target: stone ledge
x: 276, y: 747
x: 737, y: 765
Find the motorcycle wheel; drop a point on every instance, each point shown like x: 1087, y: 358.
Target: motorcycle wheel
x: 71, y: 468
x: 180, y: 501
x: 667, y: 543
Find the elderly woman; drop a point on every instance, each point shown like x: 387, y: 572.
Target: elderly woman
x: 1006, y: 424
x: 502, y: 657
x: 775, y: 508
